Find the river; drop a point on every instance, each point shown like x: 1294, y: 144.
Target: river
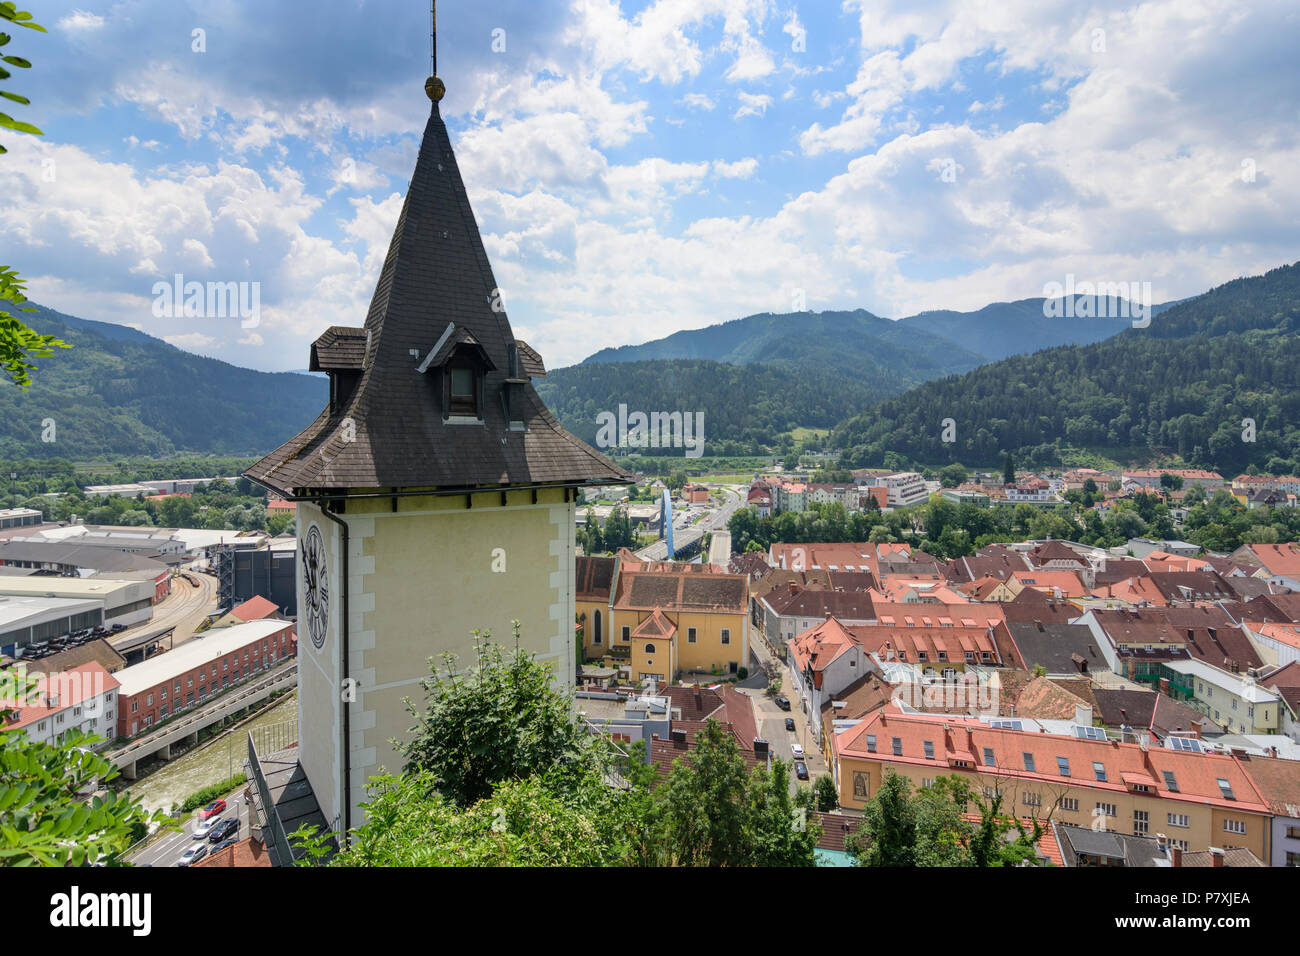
x: 218, y: 760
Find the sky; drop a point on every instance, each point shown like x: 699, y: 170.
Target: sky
x: 638, y: 168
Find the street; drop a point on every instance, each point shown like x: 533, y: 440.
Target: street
x: 168, y: 849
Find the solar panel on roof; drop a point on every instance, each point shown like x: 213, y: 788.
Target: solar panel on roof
x: 1089, y: 733
x: 1186, y: 744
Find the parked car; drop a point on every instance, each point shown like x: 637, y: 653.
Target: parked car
x: 193, y: 854
x: 789, y: 724
x: 215, y: 808
x: 801, y: 770
x: 222, y: 845
x: 223, y: 830
x: 783, y: 703
x: 797, y: 751
x: 204, y: 828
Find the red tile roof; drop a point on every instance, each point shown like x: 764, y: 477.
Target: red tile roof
x: 1197, y: 775
x: 256, y: 608
x: 52, y: 693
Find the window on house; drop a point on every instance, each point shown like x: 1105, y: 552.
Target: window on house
x: 988, y: 757
x: 1171, y: 782
x: 1032, y: 799
x: 1293, y: 833
x: 1100, y: 770
x: 1029, y: 762
x: 690, y: 635
x: 929, y: 749
x: 871, y: 743
x: 726, y: 635
x: 1107, y: 810
x: 1180, y: 820
x: 1070, y: 803
x: 1063, y: 766
x: 627, y: 633
x: 649, y: 648
x: 135, y: 707
x: 464, y: 398
x: 1235, y: 826
x: 1141, y: 822
x: 1226, y: 789
x: 898, y: 746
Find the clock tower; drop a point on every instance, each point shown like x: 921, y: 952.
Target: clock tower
x: 435, y: 493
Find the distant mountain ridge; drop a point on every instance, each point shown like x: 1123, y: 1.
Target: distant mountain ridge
x: 1213, y: 380
x: 121, y: 392
x: 971, y: 338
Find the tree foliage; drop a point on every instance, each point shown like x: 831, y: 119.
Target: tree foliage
x: 929, y: 828
x: 18, y: 343
x: 499, y: 720
x: 46, y: 818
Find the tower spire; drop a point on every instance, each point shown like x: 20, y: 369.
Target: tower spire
x: 433, y: 86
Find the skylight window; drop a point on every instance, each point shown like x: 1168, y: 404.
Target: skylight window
x: 1226, y: 789
x: 1063, y: 766
x: 1100, y: 770
x: 1029, y: 762
x: 929, y: 749
x: 1171, y: 782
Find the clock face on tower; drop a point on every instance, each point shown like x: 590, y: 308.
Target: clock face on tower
x: 316, y: 611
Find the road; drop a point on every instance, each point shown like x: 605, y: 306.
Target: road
x: 185, y: 608
x: 168, y: 849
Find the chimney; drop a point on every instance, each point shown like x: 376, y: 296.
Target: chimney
x: 1216, y: 856
x: 1175, y: 856
x: 1164, y: 685
x: 679, y: 737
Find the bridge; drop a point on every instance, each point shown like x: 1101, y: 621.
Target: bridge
x: 687, y: 545
x: 185, y: 730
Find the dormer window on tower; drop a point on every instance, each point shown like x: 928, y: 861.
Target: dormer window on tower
x: 459, y: 366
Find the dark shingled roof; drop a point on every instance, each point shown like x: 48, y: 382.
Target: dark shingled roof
x: 680, y: 591
x: 1060, y: 648
x: 593, y: 576
x: 387, y: 428
x: 339, y: 347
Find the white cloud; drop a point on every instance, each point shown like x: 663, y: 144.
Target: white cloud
x: 190, y: 341
x: 752, y: 104
x: 698, y: 101
x: 741, y: 169
x: 80, y: 20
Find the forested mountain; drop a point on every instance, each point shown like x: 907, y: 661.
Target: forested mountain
x: 1181, y: 387
x: 744, y: 407
x: 120, y: 392
x: 810, y: 369
x: 1004, y: 329
x: 854, y: 342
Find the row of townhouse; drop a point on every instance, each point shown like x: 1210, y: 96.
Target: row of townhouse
x: 1149, y: 478
x: 899, y: 490
x: 1195, y: 799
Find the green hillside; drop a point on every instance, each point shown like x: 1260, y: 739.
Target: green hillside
x: 1181, y: 387
x: 119, y: 392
